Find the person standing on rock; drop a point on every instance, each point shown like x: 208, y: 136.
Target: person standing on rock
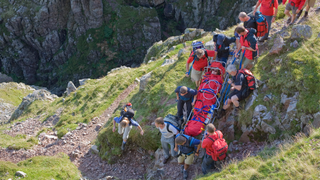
x: 125, y: 123
x: 239, y: 89
x: 186, y: 96
x: 222, y: 43
x: 269, y: 8
x: 295, y: 6
x: 188, y: 148
x: 200, y: 60
x: 168, y: 133
x: 249, y: 46
x: 211, y: 157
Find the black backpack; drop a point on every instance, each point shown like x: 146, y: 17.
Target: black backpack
x: 172, y: 120
x: 127, y: 112
x: 187, y: 148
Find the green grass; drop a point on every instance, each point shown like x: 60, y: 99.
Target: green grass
x: 9, y: 93
x: 41, y: 167
x: 294, y: 160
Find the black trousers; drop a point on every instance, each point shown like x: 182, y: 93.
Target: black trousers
x: 181, y: 105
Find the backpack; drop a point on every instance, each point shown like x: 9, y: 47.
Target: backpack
x: 197, y: 45
x: 262, y: 24
x: 172, y: 120
x: 251, y: 80
x: 219, y: 146
x: 127, y: 112
x: 187, y: 148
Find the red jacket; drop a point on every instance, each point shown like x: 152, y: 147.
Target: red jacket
x: 201, y: 63
x: 267, y: 8
x: 297, y: 3
x: 249, y: 40
x: 207, y: 143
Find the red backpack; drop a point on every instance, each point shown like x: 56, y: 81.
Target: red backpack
x: 251, y: 80
x: 219, y: 146
x: 262, y: 24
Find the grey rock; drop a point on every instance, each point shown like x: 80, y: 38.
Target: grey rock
x: 250, y: 101
x: 168, y: 10
x: 94, y: 149
x: 20, y: 173
x: 167, y: 62
x: 278, y: 44
x: 5, y: 78
x: 51, y: 137
x: 268, y: 117
x: 83, y: 81
x: 70, y: 88
x: 267, y: 128
x: 294, y: 44
x: 268, y: 97
x: 210, y: 45
x: 230, y: 133
x: 172, y: 49
x: 301, y: 31
x: 316, y: 120
x: 231, y: 120
x: 244, y: 137
x: 277, y: 60
x: 137, y: 80
x: 230, y: 147
x: 159, y: 155
x: 259, y: 109
x: 307, y: 130
x: 181, y: 52
x: 144, y: 81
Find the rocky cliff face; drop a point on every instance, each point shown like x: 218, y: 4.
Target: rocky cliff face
x: 50, y: 42
x: 53, y: 41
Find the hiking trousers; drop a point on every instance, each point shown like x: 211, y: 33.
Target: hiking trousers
x: 181, y: 105
x: 125, y: 131
x: 207, y: 163
x: 165, y: 142
x: 269, y: 20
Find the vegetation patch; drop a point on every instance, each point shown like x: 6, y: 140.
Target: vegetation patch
x: 41, y: 167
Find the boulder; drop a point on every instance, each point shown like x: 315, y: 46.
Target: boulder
x: 70, y: 88
x: 267, y: 117
x: 20, y: 173
x: 259, y: 109
x: 41, y: 94
x: 230, y: 133
x: 181, y: 52
x: 167, y: 62
x: 250, y: 101
x: 278, y: 44
x: 83, y: 81
x: 94, y: 149
x: 231, y: 120
x: 316, y: 120
x: 268, y: 97
x: 244, y: 137
x: 307, y: 129
x: 210, y: 45
x: 5, y: 78
x: 172, y: 49
x: 294, y: 44
x: 267, y: 128
x: 144, y: 81
x: 158, y: 163
x: 301, y: 31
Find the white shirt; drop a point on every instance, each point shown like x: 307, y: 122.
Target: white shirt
x: 165, y: 133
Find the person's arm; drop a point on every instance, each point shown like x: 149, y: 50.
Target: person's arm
x: 300, y: 6
x: 198, y: 149
x: 211, y: 53
x: 135, y: 123
x: 253, y: 43
x: 194, y: 100
x: 177, y: 96
x: 237, y: 87
x: 176, y: 147
x: 275, y: 14
x: 141, y: 130
x: 255, y: 8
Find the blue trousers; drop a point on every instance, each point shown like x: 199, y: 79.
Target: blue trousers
x: 269, y: 19
x: 223, y: 59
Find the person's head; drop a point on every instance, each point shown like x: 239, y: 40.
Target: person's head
x: 129, y: 104
x: 216, y: 72
x: 232, y: 70
x: 199, y: 53
x: 183, y: 90
x: 243, y: 17
x: 125, y: 122
x: 241, y: 30
x: 220, y: 39
x: 180, y: 140
x: 159, y: 122
x: 210, y: 128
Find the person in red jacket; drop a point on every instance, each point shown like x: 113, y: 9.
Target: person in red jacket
x: 249, y: 46
x: 295, y: 6
x: 269, y: 8
x: 208, y: 162
x: 200, y: 58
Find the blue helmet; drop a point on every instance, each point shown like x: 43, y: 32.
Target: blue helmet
x: 197, y: 45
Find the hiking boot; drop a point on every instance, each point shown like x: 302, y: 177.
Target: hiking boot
x: 305, y: 14
x: 123, y: 146
x: 166, y: 160
x: 289, y: 20
x: 299, y: 14
x: 185, y: 174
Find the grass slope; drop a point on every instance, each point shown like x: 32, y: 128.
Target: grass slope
x: 298, y: 159
x: 41, y: 167
x: 11, y: 94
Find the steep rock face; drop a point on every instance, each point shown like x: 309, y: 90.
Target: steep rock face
x: 54, y: 41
